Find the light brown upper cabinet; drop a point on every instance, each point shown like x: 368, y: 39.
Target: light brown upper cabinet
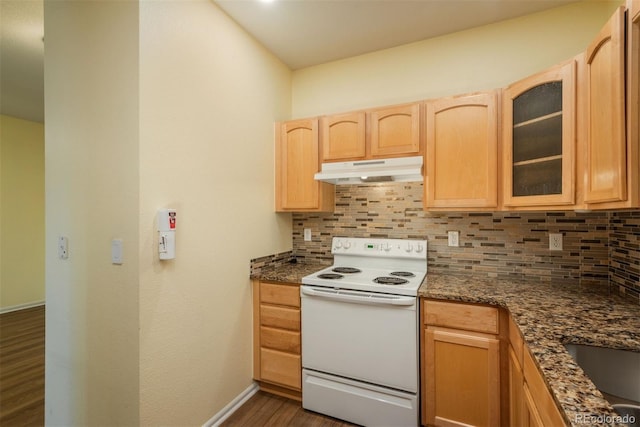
x: 380, y: 133
x: 462, y: 152
x: 539, y: 139
x: 395, y: 131
x: 344, y: 137
x: 297, y: 160
x: 633, y: 106
x: 606, y: 150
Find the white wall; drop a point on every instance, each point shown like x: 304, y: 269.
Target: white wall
x: 209, y: 95
x: 91, y: 187
x: 481, y: 58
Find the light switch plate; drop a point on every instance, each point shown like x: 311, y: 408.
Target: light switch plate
x: 116, y: 251
x: 307, y: 234
x: 454, y: 238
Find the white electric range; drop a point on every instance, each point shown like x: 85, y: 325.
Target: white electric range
x: 360, y: 332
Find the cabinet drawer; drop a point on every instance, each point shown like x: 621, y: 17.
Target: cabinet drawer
x: 280, y: 317
x: 281, y: 368
x: 469, y: 317
x: 279, y: 339
x: 274, y: 293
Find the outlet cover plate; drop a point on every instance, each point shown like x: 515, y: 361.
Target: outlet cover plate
x: 555, y: 241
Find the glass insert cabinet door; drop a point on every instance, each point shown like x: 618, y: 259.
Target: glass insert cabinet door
x: 539, y: 115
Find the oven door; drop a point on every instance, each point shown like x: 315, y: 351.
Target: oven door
x: 363, y: 336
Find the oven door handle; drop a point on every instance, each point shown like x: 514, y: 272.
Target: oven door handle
x: 357, y: 297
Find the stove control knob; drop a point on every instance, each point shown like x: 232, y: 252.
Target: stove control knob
x: 419, y: 249
x: 386, y: 247
x: 347, y: 244
x: 409, y: 248
x: 338, y: 244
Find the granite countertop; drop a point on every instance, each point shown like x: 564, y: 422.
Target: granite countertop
x: 290, y: 272
x: 550, y: 315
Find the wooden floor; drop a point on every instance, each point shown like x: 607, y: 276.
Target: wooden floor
x: 22, y: 368
x: 22, y: 383
x: 265, y: 409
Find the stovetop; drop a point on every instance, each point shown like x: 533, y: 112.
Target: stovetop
x: 392, y: 266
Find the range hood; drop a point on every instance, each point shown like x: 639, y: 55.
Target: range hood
x: 401, y: 169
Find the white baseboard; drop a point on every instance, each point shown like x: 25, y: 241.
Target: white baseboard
x: 4, y: 310
x: 233, y: 406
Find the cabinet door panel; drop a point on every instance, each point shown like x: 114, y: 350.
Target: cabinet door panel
x: 543, y: 403
x: 463, y: 379
x: 606, y: 143
x: 517, y: 409
x: 633, y: 105
x: 531, y: 415
x: 297, y: 161
x: 395, y: 131
x: 539, y: 151
x: 344, y: 137
x: 462, y: 151
x: 299, y: 152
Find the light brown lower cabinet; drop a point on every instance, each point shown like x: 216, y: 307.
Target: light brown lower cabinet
x: 276, y: 338
x: 517, y: 414
x: 540, y: 407
x: 530, y: 402
x: 477, y: 370
x: 516, y: 391
x: 461, y: 365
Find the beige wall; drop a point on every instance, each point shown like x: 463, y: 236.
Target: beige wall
x: 92, y: 196
x: 482, y: 58
x: 182, y: 119
x: 21, y: 213
x: 209, y: 95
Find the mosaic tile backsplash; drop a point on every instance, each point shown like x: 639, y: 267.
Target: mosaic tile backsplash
x: 624, y: 250
x: 599, y: 248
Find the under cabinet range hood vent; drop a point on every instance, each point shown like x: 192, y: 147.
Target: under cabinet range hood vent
x: 401, y: 169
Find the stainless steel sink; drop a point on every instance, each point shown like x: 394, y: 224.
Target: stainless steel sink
x: 616, y: 373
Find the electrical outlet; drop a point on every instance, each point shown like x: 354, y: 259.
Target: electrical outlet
x: 307, y: 234
x: 555, y: 241
x: 454, y: 238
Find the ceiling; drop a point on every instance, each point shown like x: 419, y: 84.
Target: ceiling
x: 22, y: 59
x: 301, y: 33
